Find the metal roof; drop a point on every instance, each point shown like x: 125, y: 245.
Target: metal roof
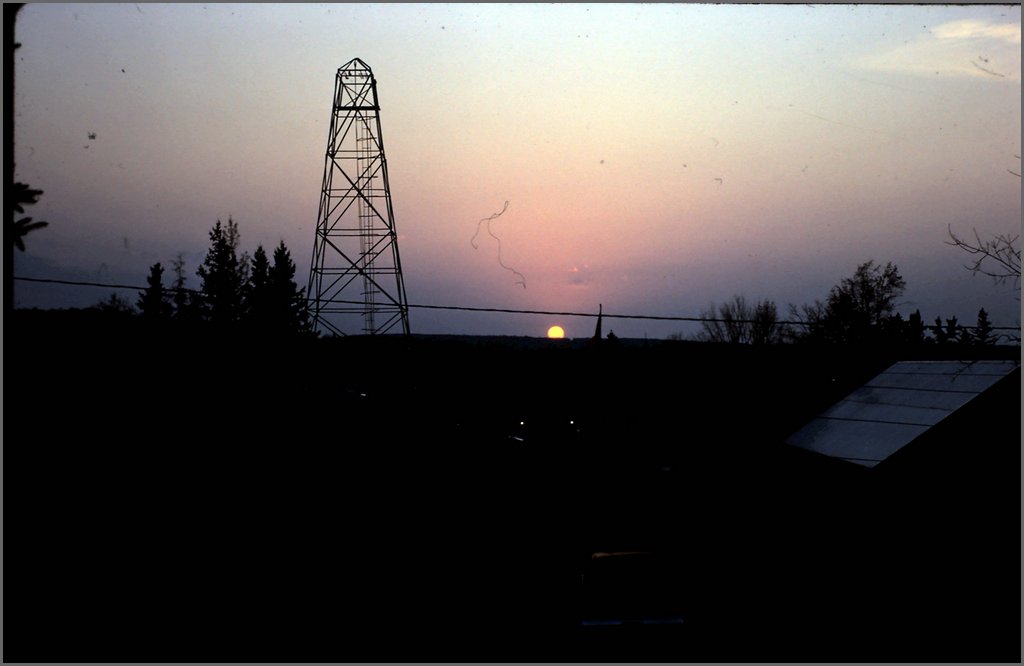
x: 896, y: 407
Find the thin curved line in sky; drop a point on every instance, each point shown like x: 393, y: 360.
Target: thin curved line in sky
x: 472, y: 241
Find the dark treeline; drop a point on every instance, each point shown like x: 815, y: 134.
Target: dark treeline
x: 259, y: 295
x: 237, y: 293
x: 859, y: 310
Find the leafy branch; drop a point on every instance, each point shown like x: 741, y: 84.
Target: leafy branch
x: 25, y: 196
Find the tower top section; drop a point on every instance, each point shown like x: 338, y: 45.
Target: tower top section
x: 355, y: 87
x: 354, y: 65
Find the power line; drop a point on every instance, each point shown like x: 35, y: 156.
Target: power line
x: 97, y: 284
x: 461, y: 308
x: 466, y: 308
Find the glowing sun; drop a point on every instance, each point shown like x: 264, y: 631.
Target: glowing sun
x: 556, y: 332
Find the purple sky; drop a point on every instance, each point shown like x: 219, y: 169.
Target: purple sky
x: 655, y: 157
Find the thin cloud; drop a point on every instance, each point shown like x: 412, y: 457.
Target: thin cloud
x: 968, y: 48
x: 971, y: 29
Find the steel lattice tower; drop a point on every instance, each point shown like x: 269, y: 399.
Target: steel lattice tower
x: 355, y: 272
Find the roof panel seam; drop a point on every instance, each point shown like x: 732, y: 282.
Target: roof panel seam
x: 917, y: 388
x: 902, y: 423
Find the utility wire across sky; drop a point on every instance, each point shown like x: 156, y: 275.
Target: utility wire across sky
x: 467, y: 308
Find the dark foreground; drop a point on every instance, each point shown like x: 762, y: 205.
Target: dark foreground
x: 190, y: 499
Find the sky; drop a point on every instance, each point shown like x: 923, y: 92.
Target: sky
x: 656, y: 158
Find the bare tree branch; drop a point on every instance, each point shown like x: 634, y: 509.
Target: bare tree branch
x: 997, y: 258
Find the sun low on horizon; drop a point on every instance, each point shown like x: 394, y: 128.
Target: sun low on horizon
x: 556, y: 332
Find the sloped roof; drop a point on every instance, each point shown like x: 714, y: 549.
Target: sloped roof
x: 896, y: 407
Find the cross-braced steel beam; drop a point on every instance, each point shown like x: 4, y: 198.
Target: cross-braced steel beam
x: 355, y: 277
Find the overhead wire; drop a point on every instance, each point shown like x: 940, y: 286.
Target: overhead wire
x: 467, y: 308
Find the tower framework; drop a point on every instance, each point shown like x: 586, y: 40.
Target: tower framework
x: 355, y: 276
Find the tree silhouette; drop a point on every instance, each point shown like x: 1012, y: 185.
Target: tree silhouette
x: 25, y: 196
x: 892, y: 329
x: 115, y: 304
x: 964, y: 336
x: 737, y: 322
x: 983, y: 330
x: 856, y: 307
x: 183, y: 303
x: 153, y: 303
x: 287, y: 300
x: 223, y: 276
x: 915, y: 328
x: 257, y: 296
x: 950, y: 333
x: 998, y: 257
x: 765, y: 328
x: 234, y: 238
x: 725, y: 323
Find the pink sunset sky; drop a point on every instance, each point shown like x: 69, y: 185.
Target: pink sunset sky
x: 655, y: 158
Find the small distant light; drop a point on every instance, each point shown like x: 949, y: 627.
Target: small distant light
x: 522, y: 423
x: 571, y: 422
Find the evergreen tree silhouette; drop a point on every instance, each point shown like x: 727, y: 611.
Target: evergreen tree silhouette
x: 257, y: 295
x: 153, y: 302
x: 952, y: 330
x: 892, y: 329
x: 287, y: 300
x: 223, y: 276
x: 915, y: 328
x: 983, y: 333
x: 946, y: 334
x: 183, y: 303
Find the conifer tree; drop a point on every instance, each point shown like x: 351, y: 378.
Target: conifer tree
x: 915, y: 328
x: 948, y: 333
x: 183, y: 306
x: 952, y: 330
x: 153, y: 302
x: 223, y: 275
x: 257, y: 296
x: 287, y: 300
x: 983, y: 332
